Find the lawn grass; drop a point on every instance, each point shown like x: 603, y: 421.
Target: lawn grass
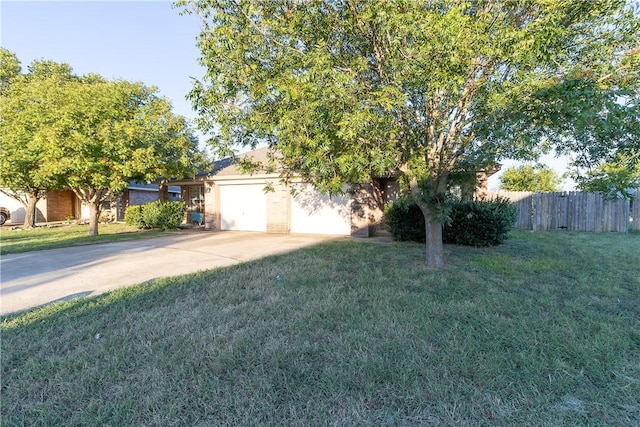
x: 18, y: 240
x: 543, y: 330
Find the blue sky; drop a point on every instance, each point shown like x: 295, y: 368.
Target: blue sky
x: 147, y: 41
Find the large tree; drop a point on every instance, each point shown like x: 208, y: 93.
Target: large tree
x: 349, y: 90
x: 618, y: 177
x: 94, y: 136
x: 591, y: 111
x: 23, y: 141
x: 530, y: 178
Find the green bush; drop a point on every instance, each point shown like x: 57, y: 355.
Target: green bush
x: 475, y: 223
x: 159, y: 214
x: 480, y: 223
x: 405, y: 220
x: 133, y: 216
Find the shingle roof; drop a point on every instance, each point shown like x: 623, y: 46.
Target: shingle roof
x: 135, y: 185
x: 228, y: 166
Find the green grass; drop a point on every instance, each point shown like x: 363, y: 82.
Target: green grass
x: 24, y: 240
x: 543, y: 330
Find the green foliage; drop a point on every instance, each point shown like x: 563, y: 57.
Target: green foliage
x: 480, y: 223
x: 163, y: 215
x: 133, y: 216
x: 475, y: 223
x: 27, y: 105
x: 9, y: 67
x: 87, y: 133
x: 405, y: 220
x: 617, y: 178
x: 530, y: 178
x: 160, y: 214
x: 347, y: 91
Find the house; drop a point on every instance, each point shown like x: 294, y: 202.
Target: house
x: 64, y: 204
x: 227, y: 199
x: 56, y: 206
x: 139, y: 193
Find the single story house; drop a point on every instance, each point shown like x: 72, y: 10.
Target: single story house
x: 64, y: 204
x: 227, y: 199
x: 139, y: 193
x: 56, y: 206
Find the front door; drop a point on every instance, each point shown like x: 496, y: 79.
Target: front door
x: 195, y: 205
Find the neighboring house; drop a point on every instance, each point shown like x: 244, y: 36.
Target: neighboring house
x: 64, y: 205
x: 56, y: 206
x: 138, y: 193
x: 227, y: 199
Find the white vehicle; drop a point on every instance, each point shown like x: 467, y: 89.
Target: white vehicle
x: 5, y: 215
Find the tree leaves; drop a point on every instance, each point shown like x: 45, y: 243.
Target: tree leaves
x: 349, y: 90
x: 60, y: 130
x: 530, y: 178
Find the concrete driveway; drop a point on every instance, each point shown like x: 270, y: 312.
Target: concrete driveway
x: 40, y: 277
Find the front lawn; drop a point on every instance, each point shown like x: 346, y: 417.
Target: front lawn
x: 543, y: 330
x: 17, y: 239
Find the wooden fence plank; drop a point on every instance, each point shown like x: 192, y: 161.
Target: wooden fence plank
x: 523, y: 201
x: 635, y: 212
x: 572, y: 210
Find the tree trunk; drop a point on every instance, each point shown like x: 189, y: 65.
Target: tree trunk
x: 433, y: 225
x: 29, y: 199
x: 30, y: 214
x: 94, y: 215
x: 433, y: 241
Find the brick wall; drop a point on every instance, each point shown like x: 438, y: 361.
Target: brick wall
x: 278, y: 208
x: 210, y: 206
x: 60, y: 205
x: 366, y: 209
x: 140, y: 197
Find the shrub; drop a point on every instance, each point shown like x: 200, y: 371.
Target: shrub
x: 480, y: 223
x: 405, y: 220
x: 106, y: 217
x: 475, y: 223
x: 163, y: 215
x: 159, y: 214
x: 133, y: 216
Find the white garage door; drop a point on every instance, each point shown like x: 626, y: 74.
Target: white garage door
x: 312, y: 212
x: 243, y: 207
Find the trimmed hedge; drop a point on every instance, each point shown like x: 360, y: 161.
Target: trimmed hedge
x: 405, y: 220
x: 475, y: 223
x: 159, y: 214
x: 480, y: 223
x: 133, y: 216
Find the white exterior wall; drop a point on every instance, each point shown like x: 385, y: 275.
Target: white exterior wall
x: 18, y: 211
x: 316, y: 213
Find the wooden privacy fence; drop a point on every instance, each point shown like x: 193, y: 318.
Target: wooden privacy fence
x: 572, y: 210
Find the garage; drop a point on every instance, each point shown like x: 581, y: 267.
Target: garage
x: 243, y: 207
x: 313, y: 212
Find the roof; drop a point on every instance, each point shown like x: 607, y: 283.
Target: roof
x: 229, y: 166
x: 134, y: 185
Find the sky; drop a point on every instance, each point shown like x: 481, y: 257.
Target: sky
x: 146, y: 41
